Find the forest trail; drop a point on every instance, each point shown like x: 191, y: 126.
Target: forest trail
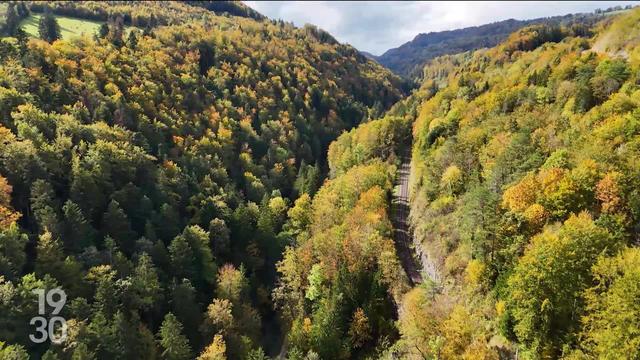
x: 401, y: 233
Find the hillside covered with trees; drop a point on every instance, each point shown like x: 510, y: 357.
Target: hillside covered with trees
x: 525, y: 193
x: 524, y: 197
x: 409, y: 58
x: 147, y: 170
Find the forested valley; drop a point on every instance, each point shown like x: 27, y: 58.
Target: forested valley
x: 207, y: 183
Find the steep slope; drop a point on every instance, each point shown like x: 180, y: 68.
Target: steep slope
x: 619, y: 38
x: 148, y: 173
x: 524, y: 191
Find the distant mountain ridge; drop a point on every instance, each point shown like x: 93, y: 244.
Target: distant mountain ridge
x: 369, y: 55
x: 408, y: 59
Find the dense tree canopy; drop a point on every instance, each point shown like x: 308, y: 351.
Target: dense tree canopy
x: 207, y: 183
x: 148, y: 170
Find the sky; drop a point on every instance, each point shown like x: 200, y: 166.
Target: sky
x: 376, y: 26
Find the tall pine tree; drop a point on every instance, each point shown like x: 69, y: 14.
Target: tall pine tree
x: 175, y: 344
x: 48, y: 28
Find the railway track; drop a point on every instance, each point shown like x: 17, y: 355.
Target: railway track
x: 401, y: 233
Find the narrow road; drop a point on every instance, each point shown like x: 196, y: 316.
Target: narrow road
x: 401, y: 234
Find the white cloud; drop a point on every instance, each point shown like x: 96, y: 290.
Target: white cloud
x: 378, y: 26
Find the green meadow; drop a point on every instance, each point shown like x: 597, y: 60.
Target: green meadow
x: 68, y: 26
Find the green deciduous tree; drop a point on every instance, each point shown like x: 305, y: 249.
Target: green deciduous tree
x: 611, y: 324
x: 545, y: 287
x: 13, y: 352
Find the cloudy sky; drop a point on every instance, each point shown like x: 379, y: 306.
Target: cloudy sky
x: 378, y: 26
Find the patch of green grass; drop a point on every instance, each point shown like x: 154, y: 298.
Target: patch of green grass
x: 69, y: 27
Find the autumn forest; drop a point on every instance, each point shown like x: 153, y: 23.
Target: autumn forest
x: 204, y: 182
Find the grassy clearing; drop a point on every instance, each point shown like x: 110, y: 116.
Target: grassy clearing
x: 69, y: 27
